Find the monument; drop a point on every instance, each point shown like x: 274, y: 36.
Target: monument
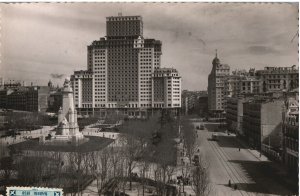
x: 67, y: 130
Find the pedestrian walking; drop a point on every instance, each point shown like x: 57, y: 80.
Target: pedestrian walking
x: 235, y: 187
x: 229, y: 183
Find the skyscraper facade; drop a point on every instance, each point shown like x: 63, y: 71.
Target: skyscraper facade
x: 119, y: 68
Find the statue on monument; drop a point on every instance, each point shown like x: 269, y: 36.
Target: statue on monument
x: 67, y: 116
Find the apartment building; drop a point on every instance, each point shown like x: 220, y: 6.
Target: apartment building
x: 32, y: 98
x: 166, y: 88
x: 290, y: 140
x: 261, y: 128
x: 277, y: 79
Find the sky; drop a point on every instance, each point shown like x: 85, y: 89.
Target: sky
x: 48, y: 41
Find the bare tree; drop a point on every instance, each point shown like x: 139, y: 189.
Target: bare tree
x: 189, y: 139
x: 200, y: 178
x: 6, y: 161
x: 185, y: 173
x: 144, y: 167
x: 170, y: 171
x: 100, y: 167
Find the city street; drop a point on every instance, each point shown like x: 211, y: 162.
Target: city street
x: 226, y: 162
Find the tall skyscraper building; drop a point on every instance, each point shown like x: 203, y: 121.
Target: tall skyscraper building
x: 216, y: 86
x: 119, y: 68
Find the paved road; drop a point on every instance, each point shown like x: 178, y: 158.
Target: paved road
x: 251, y: 175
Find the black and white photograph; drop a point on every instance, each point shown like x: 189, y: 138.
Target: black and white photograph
x: 149, y: 98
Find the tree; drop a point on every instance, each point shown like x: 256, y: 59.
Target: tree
x: 137, y: 140
x: 100, y: 168
x: 200, y: 178
x: 185, y: 173
x: 144, y: 167
x: 114, y: 117
x: 6, y: 161
x: 189, y: 136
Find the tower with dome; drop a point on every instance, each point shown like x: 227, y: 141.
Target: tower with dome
x: 216, y: 86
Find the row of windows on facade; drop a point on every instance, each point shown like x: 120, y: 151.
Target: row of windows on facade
x: 116, y: 56
x: 118, y: 84
x: 114, y: 68
x: 99, y: 82
x: 122, y: 64
x: 146, y: 99
x: 174, y: 81
x: 124, y: 31
x: 99, y: 63
x: 276, y: 86
x: 100, y: 67
x: 274, y: 76
x: 146, y: 67
x: 127, y: 51
x: 99, y: 57
x: 98, y: 73
x: 119, y: 73
x: 276, y: 81
x: 98, y: 100
x: 147, y: 81
x: 122, y: 25
x: 100, y: 93
x: 98, y: 53
x: 118, y: 62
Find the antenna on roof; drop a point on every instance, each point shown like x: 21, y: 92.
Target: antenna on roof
x: 216, y: 53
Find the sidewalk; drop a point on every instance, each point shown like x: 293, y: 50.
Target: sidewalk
x: 277, y: 167
x: 182, y: 160
x: 255, y: 153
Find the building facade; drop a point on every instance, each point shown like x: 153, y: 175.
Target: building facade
x: 216, y: 86
x: 234, y: 114
x: 120, y: 68
x: 259, y: 127
x: 166, y: 88
x: 194, y: 102
x: 33, y: 98
x: 278, y: 79
x: 291, y: 135
x: 241, y: 83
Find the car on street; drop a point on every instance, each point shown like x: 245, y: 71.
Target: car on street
x: 214, y: 136
x: 202, y: 127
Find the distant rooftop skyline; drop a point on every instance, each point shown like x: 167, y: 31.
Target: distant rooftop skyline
x: 49, y: 41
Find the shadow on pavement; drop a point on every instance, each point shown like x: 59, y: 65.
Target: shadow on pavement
x: 267, y: 179
x: 229, y: 142
x: 211, y: 127
x: 248, y: 187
